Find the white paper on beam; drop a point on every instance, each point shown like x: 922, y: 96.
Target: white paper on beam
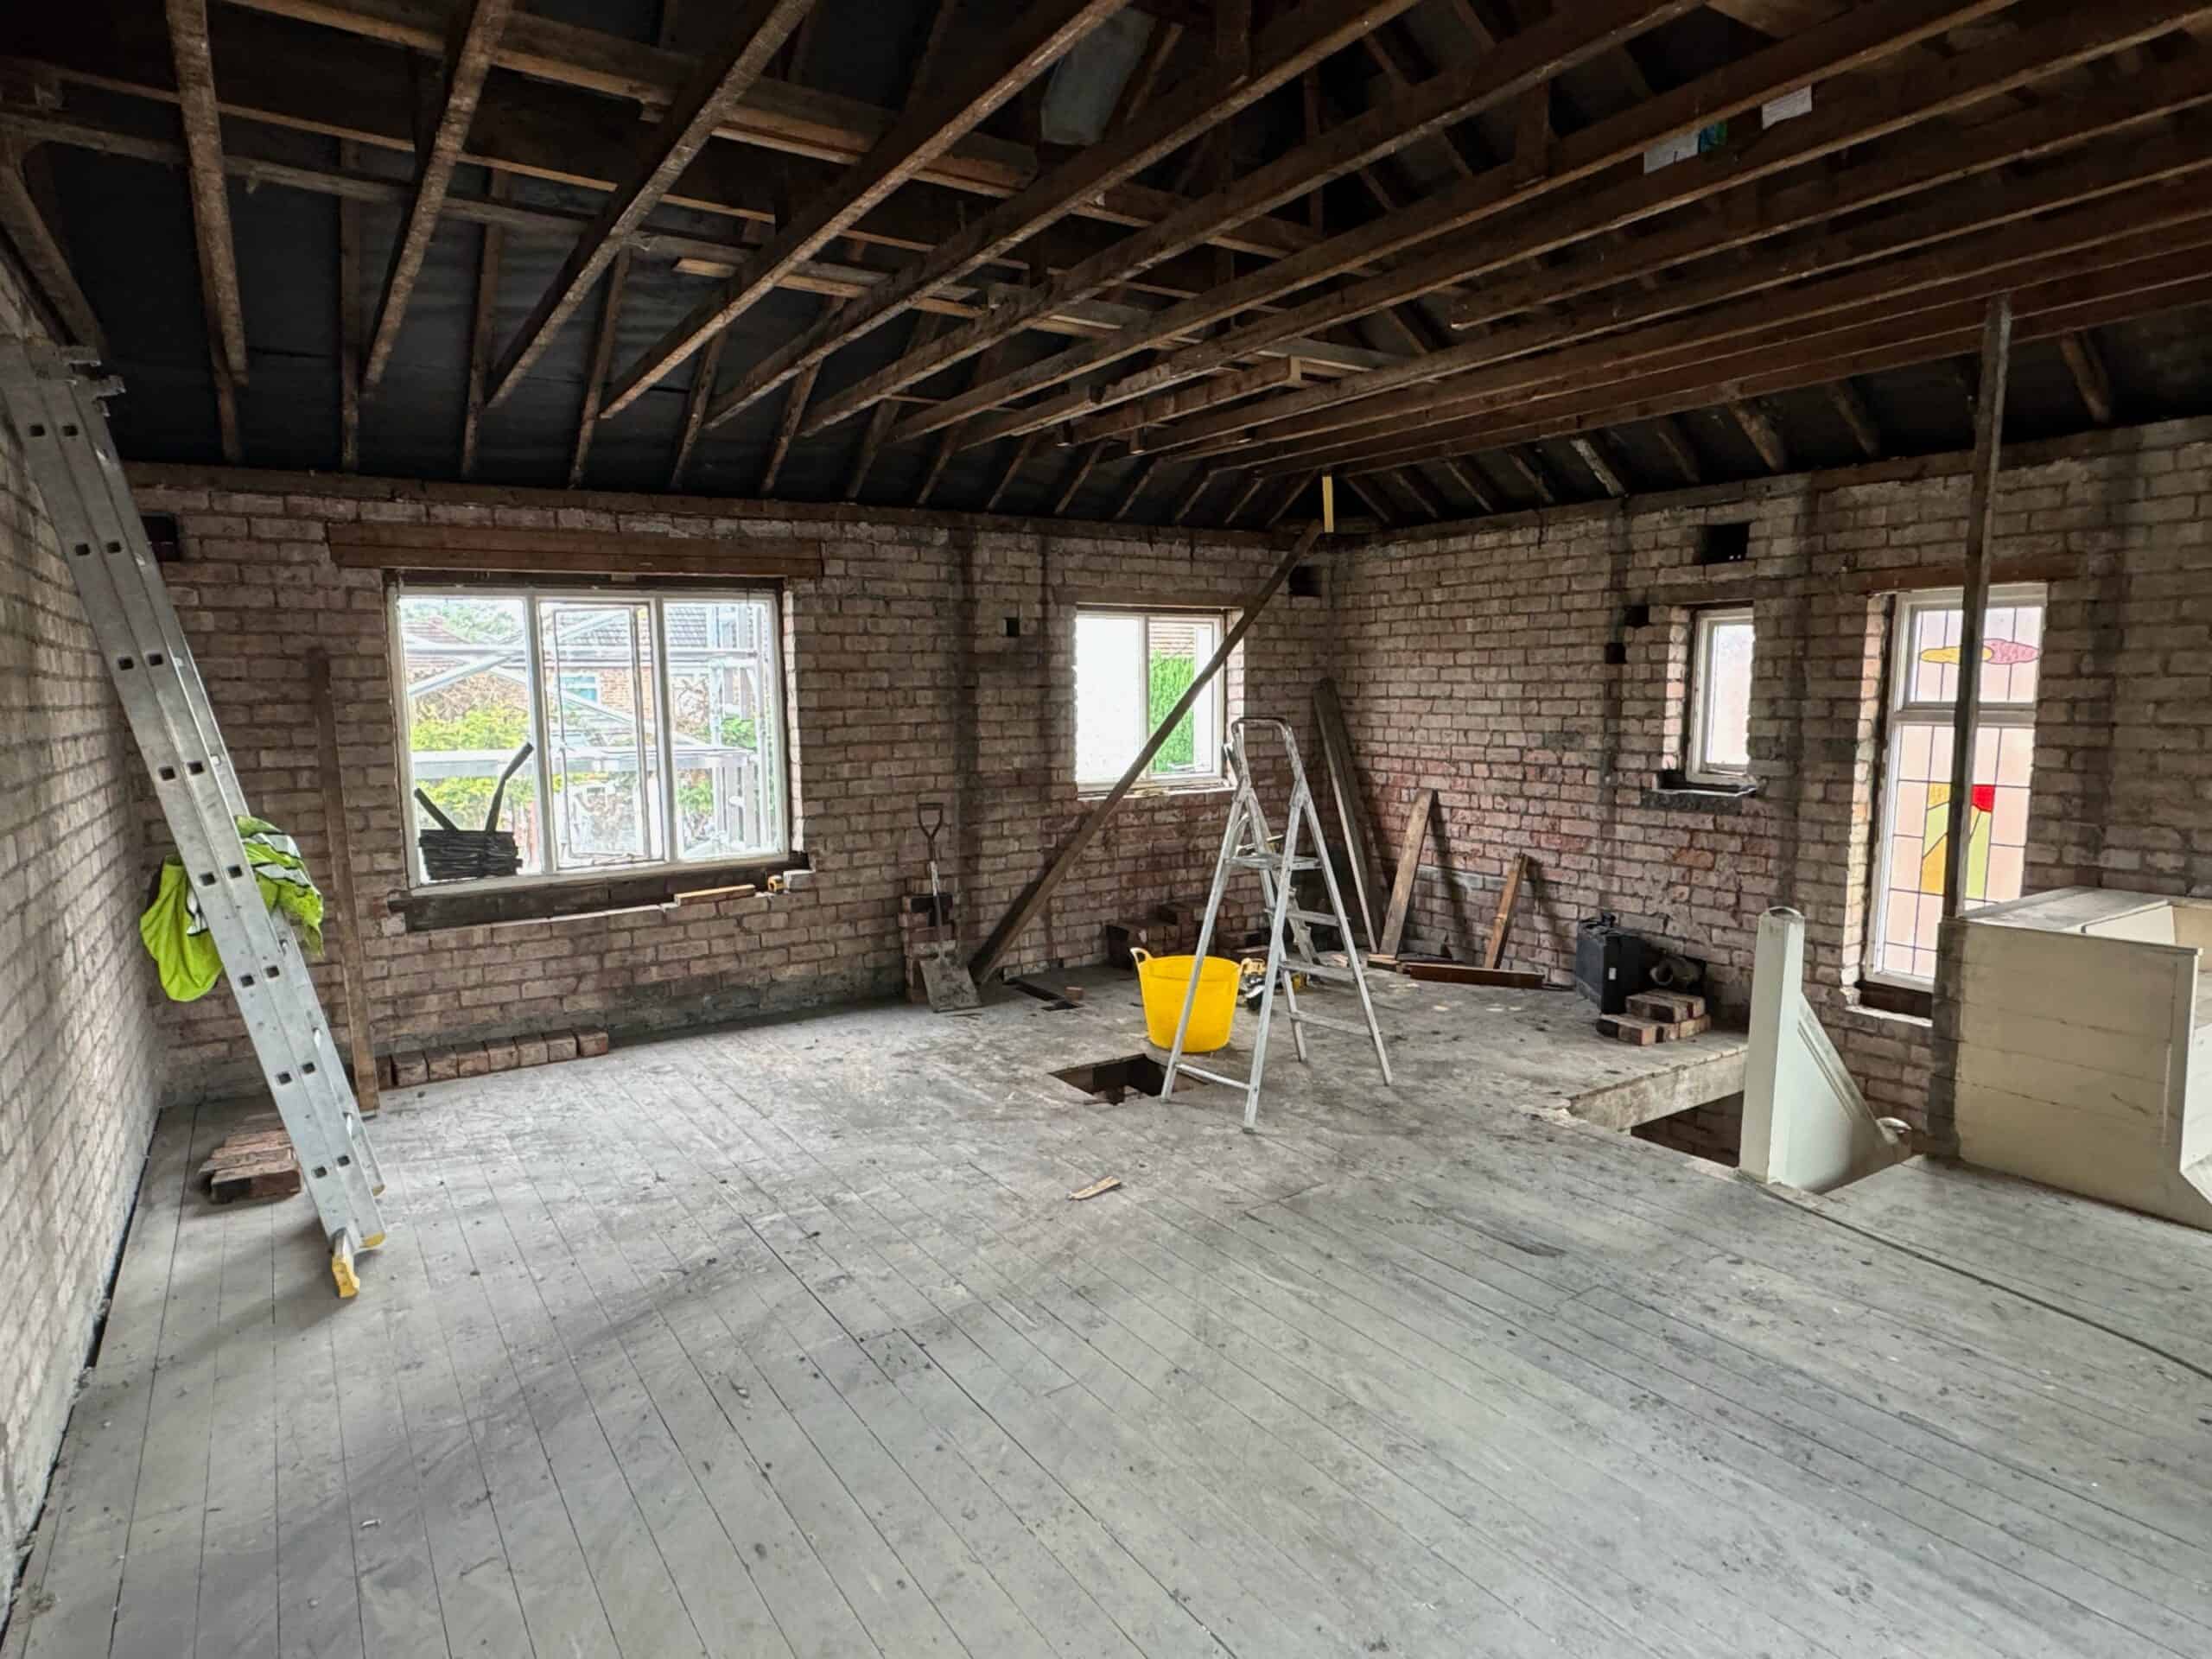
x: 1787, y: 107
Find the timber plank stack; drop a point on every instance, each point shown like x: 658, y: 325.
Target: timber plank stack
x: 254, y: 1161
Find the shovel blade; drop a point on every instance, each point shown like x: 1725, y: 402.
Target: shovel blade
x: 951, y: 988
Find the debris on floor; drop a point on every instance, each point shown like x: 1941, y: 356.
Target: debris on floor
x: 254, y: 1161
x: 1104, y: 1184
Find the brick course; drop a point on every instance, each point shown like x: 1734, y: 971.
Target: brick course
x: 905, y: 685
x: 79, y: 1044
x: 1472, y: 661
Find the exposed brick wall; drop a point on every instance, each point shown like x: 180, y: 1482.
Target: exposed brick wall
x: 906, y: 686
x: 79, y: 1044
x: 1473, y: 661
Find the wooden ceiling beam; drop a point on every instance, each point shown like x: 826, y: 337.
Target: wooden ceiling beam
x: 1534, y: 477
x: 1461, y: 471
x: 787, y: 429
x: 1866, y: 35
x: 210, y: 196
x: 352, y: 329
x: 1025, y: 48
x: 471, y: 44
x: 1851, y: 407
x: 1015, y: 462
x: 1409, y: 480
x: 1131, y: 419
x: 1378, y: 132
x: 1856, y: 38
x: 1299, y: 486
x: 1742, y: 347
x: 1253, y: 485
x: 2096, y: 300
x: 1762, y: 433
x: 1295, y: 42
x: 602, y: 350
x: 1201, y: 482
x: 1600, y: 465
x: 704, y: 368
x: 2091, y: 378
x: 33, y: 239
x: 2001, y: 211
x: 1084, y: 464
x: 481, y: 322
x: 754, y: 35
x: 1137, y: 481
x: 1680, y: 450
x: 942, y: 455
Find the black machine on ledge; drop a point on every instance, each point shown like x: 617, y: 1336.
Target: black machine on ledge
x: 1611, y: 964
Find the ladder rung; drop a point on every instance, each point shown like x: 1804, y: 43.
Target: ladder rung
x: 1327, y: 1024
x: 1213, y: 1077
x: 1317, y: 918
x: 1252, y: 861
x: 1323, y: 970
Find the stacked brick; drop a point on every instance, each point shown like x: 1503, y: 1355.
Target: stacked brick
x: 79, y: 1047
x: 930, y: 661
x: 1474, y: 662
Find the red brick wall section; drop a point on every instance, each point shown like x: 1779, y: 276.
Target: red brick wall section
x: 1473, y: 662
x: 79, y: 1042
x: 907, y: 686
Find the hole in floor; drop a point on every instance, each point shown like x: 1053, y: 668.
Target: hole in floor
x: 1111, y: 1080
x: 1713, y: 1131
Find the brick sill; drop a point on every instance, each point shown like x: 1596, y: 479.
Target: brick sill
x: 1156, y: 792
x: 1670, y: 794
x: 478, y: 904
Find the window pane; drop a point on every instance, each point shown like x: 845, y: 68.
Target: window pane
x: 723, y: 711
x: 601, y: 744
x: 2012, y: 654
x: 1916, y: 828
x: 1178, y: 647
x: 466, y: 663
x: 1110, y: 695
x: 1725, y: 726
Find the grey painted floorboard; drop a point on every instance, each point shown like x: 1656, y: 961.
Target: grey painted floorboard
x: 787, y: 1340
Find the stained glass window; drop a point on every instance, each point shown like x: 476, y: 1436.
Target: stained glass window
x: 1916, y: 792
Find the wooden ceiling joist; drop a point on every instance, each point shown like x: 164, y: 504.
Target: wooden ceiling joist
x: 1023, y: 50
x: 1601, y: 466
x: 27, y: 229
x: 1762, y: 433
x: 879, y: 423
x: 1378, y: 132
x: 1670, y: 436
x: 1201, y: 482
x: 1851, y: 407
x: 795, y: 120
x: 1076, y: 479
x: 704, y: 368
x: 602, y: 353
x: 2091, y: 378
x: 482, y: 342
x: 1849, y: 41
x: 1253, y: 485
x: 1133, y: 486
x: 2048, y: 309
x: 211, y: 197
x: 754, y: 35
x: 1461, y: 472
x: 2031, y: 216
x: 1295, y: 42
x: 1014, y: 463
x: 472, y: 42
x: 786, y: 430
x: 1296, y: 488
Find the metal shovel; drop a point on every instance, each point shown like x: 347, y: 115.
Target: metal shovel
x: 951, y: 989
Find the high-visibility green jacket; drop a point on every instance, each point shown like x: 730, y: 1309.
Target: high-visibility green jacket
x: 176, y: 935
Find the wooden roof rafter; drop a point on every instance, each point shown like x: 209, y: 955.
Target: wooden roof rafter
x: 926, y: 130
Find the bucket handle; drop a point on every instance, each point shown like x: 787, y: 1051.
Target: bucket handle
x: 1139, y: 954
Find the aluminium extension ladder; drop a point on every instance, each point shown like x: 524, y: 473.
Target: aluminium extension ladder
x: 1246, y: 844
x: 55, y: 410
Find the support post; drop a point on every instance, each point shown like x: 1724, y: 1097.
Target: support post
x: 1035, y: 896
x: 1981, y: 511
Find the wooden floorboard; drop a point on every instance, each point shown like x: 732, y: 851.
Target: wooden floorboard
x: 787, y: 1340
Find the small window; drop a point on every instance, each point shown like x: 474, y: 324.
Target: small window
x: 1130, y: 668
x: 1915, y: 809
x: 655, y: 725
x: 1718, y: 746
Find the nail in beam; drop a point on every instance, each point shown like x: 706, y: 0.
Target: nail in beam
x: 1039, y: 892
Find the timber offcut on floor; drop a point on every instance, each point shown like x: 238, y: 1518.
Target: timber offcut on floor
x: 788, y: 1340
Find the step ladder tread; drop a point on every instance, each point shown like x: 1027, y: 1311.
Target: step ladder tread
x: 1188, y: 1070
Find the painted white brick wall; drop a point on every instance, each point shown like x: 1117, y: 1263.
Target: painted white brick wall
x: 79, y: 1046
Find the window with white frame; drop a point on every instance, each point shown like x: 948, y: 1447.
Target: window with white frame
x: 1130, y: 668
x: 1915, y: 808
x: 1717, y: 732
x: 654, y: 723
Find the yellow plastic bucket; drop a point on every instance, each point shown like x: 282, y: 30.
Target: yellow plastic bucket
x: 1165, y: 980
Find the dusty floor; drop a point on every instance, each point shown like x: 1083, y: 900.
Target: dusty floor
x: 788, y: 1340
